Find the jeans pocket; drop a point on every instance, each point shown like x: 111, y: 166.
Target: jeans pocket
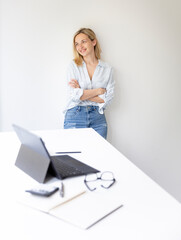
x: 72, y: 118
x: 72, y: 112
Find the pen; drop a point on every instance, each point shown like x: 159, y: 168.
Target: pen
x: 68, y: 152
x: 62, y: 190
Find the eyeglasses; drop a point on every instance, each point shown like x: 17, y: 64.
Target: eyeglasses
x: 107, y: 180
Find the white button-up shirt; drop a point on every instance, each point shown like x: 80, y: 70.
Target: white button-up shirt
x: 102, y: 78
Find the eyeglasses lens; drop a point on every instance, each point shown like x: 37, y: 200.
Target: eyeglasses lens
x: 107, y: 179
x: 91, y: 177
x: 107, y: 176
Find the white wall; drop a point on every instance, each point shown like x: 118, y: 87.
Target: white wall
x: 0, y: 79
x: 141, y: 39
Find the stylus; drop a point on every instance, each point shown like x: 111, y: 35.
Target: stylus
x: 68, y: 152
x: 62, y: 190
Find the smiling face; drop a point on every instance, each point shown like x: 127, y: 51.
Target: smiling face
x: 84, y: 45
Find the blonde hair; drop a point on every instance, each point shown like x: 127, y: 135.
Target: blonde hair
x: 78, y: 59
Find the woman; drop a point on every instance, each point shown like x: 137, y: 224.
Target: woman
x: 90, y: 83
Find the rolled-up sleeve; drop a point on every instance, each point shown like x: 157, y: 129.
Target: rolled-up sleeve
x: 108, y: 96
x: 73, y: 93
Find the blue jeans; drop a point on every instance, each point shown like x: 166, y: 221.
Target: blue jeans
x: 86, y: 117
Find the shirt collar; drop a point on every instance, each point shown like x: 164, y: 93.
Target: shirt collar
x: 100, y: 63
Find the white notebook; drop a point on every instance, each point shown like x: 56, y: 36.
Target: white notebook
x: 88, y: 209
x: 79, y: 207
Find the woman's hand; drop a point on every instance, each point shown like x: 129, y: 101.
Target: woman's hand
x: 74, y: 83
x: 101, y: 91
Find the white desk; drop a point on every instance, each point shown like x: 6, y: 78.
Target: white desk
x: 149, y: 213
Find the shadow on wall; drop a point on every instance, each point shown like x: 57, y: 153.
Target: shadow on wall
x: 115, y: 106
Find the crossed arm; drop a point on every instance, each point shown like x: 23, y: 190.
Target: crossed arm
x: 90, y: 94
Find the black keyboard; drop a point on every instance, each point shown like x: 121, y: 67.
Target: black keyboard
x: 65, y: 169
x: 67, y: 166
